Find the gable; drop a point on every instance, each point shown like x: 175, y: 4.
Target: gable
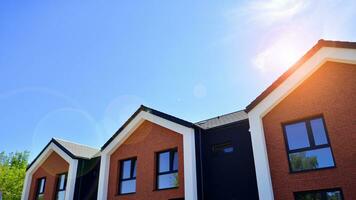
x: 323, y: 51
x: 54, y: 164
x: 331, y: 87
x: 151, y: 134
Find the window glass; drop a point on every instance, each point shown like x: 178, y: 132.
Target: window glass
x: 41, y: 185
x: 308, y: 146
x: 128, y: 186
x: 40, y: 188
x: 318, y: 129
x: 297, y: 136
x: 126, y: 169
x: 61, y: 186
x: 223, y: 148
x: 61, y: 195
x: 175, y: 161
x: 164, y: 162
x: 334, y: 195
x: 61, y: 181
x: 127, y: 183
x: 134, y: 170
x: 168, y: 181
x: 319, y: 195
x: 312, y: 159
x: 167, y: 172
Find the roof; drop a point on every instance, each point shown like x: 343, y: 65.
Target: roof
x: 154, y: 112
x: 74, y: 150
x: 223, y: 120
x: 78, y: 150
x: 300, y: 62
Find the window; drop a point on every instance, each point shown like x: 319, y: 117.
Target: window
x: 41, y: 183
x: 61, y: 186
x: 308, y: 145
x: 223, y: 148
x: 167, y: 169
x: 127, y: 183
x: 328, y: 194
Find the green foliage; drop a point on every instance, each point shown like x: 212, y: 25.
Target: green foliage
x: 12, y: 174
x: 175, y: 180
x: 299, y: 161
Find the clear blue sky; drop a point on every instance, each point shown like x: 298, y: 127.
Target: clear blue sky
x: 78, y: 69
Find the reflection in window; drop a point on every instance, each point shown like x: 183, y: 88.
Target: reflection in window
x: 41, y: 183
x: 61, y: 186
x: 127, y: 183
x: 167, y: 171
x: 308, y: 145
x: 223, y: 148
x: 329, y: 194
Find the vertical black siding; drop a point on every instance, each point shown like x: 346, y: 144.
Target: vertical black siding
x: 86, y: 186
x: 228, y: 176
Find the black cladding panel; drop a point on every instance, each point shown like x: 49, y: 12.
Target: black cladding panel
x: 227, y: 165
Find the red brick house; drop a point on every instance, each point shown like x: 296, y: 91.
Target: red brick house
x: 303, y: 127
x: 295, y: 141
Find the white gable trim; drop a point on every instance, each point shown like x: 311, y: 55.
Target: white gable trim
x: 190, y: 183
x: 72, y: 171
x: 325, y: 54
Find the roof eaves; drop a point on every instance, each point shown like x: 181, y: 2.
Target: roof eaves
x: 152, y: 111
x: 321, y: 43
x: 56, y: 143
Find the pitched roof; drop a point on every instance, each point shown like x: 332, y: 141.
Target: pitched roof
x: 301, y: 61
x: 223, y: 120
x: 74, y: 150
x: 154, y: 112
x: 78, y: 150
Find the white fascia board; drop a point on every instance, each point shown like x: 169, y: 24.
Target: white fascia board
x: 264, y: 181
x: 190, y: 183
x: 72, y: 172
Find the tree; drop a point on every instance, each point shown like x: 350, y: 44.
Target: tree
x: 12, y: 174
x: 300, y: 161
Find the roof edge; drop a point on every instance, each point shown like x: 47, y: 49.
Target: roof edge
x: 53, y: 140
x: 154, y: 112
x: 321, y: 43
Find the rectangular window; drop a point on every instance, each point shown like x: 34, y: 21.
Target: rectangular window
x: 61, y: 186
x: 41, y: 184
x: 223, y: 148
x: 127, y: 182
x: 308, y: 145
x: 167, y: 169
x: 328, y: 194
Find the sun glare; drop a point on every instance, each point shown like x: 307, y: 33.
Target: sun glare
x: 280, y: 55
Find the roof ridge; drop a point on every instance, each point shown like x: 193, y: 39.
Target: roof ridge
x: 59, y: 139
x: 242, y: 110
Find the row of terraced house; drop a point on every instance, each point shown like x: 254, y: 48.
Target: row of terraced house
x: 295, y: 141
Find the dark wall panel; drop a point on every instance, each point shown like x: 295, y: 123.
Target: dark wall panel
x: 227, y: 165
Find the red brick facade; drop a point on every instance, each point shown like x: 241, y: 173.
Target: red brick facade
x: 146, y: 140
x: 330, y: 91
x: 52, y: 166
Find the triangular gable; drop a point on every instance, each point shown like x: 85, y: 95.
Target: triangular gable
x: 154, y: 116
x: 303, y: 60
x: 324, y: 51
x: 52, y: 146
x: 180, y: 126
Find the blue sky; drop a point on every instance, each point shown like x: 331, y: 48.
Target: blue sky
x: 78, y: 69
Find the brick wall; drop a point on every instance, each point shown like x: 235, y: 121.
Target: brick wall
x: 52, y: 166
x: 330, y: 91
x: 147, y: 139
